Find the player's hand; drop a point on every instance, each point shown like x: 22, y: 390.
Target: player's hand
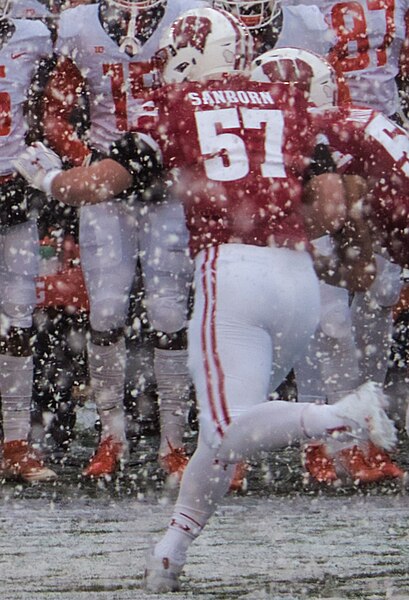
x: 35, y: 163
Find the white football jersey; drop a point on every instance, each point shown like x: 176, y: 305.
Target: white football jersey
x: 19, y: 59
x: 369, y: 36
x: 115, y: 81
x: 28, y: 9
x: 305, y: 27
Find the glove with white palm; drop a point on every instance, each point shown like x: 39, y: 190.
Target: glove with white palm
x: 38, y: 165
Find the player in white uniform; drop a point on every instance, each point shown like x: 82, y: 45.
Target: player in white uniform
x: 274, y: 25
x: 110, y: 46
x: 28, y: 9
x: 23, y: 44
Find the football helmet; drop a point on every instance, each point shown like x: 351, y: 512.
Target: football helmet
x: 308, y: 71
x: 5, y: 6
x: 204, y: 42
x: 137, y: 6
x: 254, y: 14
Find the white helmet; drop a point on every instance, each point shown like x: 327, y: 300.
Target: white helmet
x: 308, y: 71
x: 5, y: 6
x: 131, y: 9
x: 203, y: 42
x: 254, y: 14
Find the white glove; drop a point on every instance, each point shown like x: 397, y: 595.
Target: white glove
x: 38, y: 165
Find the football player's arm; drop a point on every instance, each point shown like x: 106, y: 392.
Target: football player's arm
x: 355, y: 266
x: 101, y: 181
x: 324, y: 202
x: 133, y: 165
x: 61, y: 96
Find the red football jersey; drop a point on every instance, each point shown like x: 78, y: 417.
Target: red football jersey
x: 379, y: 152
x: 242, y: 148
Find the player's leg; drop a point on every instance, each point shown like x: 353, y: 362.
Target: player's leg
x: 373, y: 320
x: 372, y: 317
x: 108, y: 243
x: 230, y: 357
x: 168, y: 272
x: 19, y: 266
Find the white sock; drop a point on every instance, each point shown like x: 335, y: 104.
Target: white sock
x: 16, y: 385
x: 107, y: 372
x: 204, y: 483
x: 173, y: 385
x: 373, y: 333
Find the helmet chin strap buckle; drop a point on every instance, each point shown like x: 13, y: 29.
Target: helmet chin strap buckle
x: 129, y: 43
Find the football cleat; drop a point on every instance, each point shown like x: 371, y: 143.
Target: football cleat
x: 353, y: 463
x: 319, y: 464
x: 107, y: 458
x: 174, y: 462
x: 238, y: 482
x: 366, y: 419
x: 378, y: 458
x: 161, y: 575
x: 22, y: 461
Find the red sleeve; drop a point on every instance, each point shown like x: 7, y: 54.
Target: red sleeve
x: 61, y: 95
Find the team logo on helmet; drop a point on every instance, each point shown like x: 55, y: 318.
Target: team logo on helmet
x: 289, y: 70
x: 192, y: 31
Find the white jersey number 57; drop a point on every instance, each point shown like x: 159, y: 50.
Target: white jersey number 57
x: 226, y: 155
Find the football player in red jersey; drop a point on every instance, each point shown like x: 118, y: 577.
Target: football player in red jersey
x: 367, y: 43
x: 106, y: 50
x: 315, y: 383
x: 243, y: 149
x: 371, y: 41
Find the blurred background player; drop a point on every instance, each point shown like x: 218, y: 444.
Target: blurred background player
x: 28, y: 9
x: 316, y: 76
x: 106, y: 51
x: 368, y: 52
x: 24, y: 43
x: 275, y: 26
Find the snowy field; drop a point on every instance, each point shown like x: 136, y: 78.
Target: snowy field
x: 281, y: 540
x: 276, y: 548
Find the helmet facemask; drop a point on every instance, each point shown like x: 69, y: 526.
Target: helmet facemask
x: 254, y: 14
x: 136, y: 21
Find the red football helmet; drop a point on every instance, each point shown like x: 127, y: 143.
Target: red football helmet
x: 203, y: 42
x: 308, y: 71
x: 253, y: 13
